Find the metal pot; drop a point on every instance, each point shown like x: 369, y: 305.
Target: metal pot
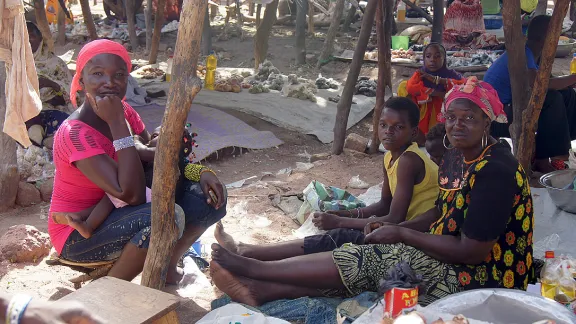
x: 564, y: 199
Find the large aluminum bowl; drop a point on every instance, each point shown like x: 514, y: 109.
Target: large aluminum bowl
x: 564, y: 50
x: 554, y: 182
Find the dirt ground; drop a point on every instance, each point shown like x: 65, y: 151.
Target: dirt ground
x: 251, y: 218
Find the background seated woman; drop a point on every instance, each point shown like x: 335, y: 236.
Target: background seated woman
x: 480, y: 236
x: 95, y: 155
x: 54, y: 81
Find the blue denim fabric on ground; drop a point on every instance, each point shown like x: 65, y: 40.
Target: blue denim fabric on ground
x: 305, y: 309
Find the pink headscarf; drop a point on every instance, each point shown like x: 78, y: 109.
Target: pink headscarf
x: 100, y: 46
x: 480, y: 93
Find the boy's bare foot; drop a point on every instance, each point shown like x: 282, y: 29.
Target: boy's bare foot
x: 237, y: 264
x: 225, y: 239
x: 79, y: 225
x: 240, y: 289
x: 174, y: 276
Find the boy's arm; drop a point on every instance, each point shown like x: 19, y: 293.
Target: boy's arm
x: 100, y: 213
x: 380, y: 208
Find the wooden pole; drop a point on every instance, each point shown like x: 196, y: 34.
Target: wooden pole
x: 438, y: 21
x: 416, y: 8
x: 61, y: 27
x: 517, y: 68
x: 42, y: 22
x: 530, y: 115
x: 263, y: 33
x: 258, y: 15
x: 311, y: 20
x: 349, y: 18
x: 206, y: 35
x: 158, y: 22
x: 148, y: 20
x: 251, y: 7
x: 301, y: 31
x: 328, y: 46
x: 88, y: 19
x: 131, y: 18
x: 384, y: 17
x: 9, y: 176
x: 184, y: 87
x: 343, y: 108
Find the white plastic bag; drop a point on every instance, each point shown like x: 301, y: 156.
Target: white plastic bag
x: 236, y: 313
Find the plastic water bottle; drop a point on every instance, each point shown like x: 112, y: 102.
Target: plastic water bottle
x: 169, y: 69
x: 573, y: 65
x: 211, y: 63
x: 401, y: 11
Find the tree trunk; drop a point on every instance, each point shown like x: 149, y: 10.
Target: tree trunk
x: 9, y: 176
x: 263, y: 33
x: 131, y: 18
x: 148, y: 20
x: 301, y: 31
x: 526, y: 141
x: 328, y: 47
x: 206, y: 35
x: 61, y: 27
x: 343, y: 108
x: 251, y: 7
x: 438, y: 24
x: 384, y: 17
x: 158, y: 22
x: 88, y: 20
x: 258, y: 15
x: 349, y: 18
x: 184, y: 87
x: 311, y: 20
x: 42, y: 23
x: 517, y: 68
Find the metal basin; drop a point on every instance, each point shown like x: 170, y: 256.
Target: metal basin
x: 554, y: 181
x: 564, y: 50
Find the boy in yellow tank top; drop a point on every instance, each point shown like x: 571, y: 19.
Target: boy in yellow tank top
x: 410, y: 185
x: 410, y: 188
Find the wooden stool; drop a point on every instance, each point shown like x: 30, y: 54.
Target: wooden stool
x: 91, y: 270
x: 119, y: 301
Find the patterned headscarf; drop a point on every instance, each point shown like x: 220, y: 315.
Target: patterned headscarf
x: 480, y: 93
x: 97, y: 47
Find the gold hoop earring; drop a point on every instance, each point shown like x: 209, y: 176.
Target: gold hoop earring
x: 484, y: 140
x: 444, y: 143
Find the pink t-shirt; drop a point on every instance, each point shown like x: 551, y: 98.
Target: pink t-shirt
x: 73, y: 191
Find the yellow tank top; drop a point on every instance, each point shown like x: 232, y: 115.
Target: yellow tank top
x: 426, y: 192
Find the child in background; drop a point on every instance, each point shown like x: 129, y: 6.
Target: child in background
x: 435, y: 143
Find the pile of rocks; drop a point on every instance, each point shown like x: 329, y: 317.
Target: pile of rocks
x: 36, y: 171
x: 365, y: 87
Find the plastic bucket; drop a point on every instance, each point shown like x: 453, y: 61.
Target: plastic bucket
x: 400, y: 42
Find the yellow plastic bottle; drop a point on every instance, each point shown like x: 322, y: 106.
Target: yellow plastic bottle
x: 573, y: 65
x: 211, y: 63
x: 169, y: 69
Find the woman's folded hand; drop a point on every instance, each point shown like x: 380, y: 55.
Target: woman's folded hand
x: 381, y: 233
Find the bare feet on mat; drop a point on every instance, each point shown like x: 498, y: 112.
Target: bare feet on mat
x: 225, y: 239
x: 239, y: 289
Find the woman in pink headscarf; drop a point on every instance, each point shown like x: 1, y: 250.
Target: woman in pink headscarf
x: 480, y: 236
x: 97, y: 162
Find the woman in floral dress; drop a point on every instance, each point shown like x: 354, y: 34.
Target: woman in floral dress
x: 480, y: 236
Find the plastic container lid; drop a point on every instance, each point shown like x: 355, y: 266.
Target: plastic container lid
x: 549, y: 255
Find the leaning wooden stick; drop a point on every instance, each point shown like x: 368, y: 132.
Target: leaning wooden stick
x: 185, y: 85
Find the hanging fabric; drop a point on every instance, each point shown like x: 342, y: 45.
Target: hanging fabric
x: 22, y: 95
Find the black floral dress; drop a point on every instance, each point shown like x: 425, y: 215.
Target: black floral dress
x: 489, y: 199
x: 486, y: 200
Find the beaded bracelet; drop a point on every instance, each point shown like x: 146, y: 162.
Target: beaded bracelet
x: 123, y: 143
x: 16, y: 308
x: 193, y: 171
